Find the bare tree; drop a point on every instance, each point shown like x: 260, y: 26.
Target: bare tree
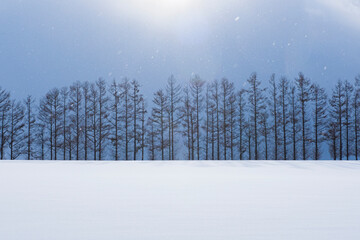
x: 49, y: 116
x: 30, y: 125
x: 64, y: 95
x: 274, y: 113
x: 151, y: 139
x: 76, y: 117
x: 54, y: 96
x: 256, y: 100
x: 46, y: 122
x: 158, y: 119
x: 332, y: 137
x: 103, y: 116
x: 93, y: 115
x: 295, y: 112
x: 284, y: 101
x: 207, y: 121
x: 187, y: 112
x: 126, y: 116
x: 303, y: 86
x: 137, y: 100
x: 241, y: 120
x: 115, y: 118
x: 232, y: 122
x: 16, y: 131
x: 196, y: 89
x: 71, y: 139
x: 226, y: 92
x: 169, y: 130
x: 86, y: 114
x: 348, y: 91
x: 264, y: 130
x: 41, y: 139
x: 212, y: 130
x: 216, y: 100
x: 356, y: 107
x: 337, y: 103
x: 142, y: 112
x: 249, y: 136
x: 4, y: 120
x: 173, y: 91
x: 319, y: 117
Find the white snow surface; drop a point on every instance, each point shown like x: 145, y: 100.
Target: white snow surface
x: 180, y: 200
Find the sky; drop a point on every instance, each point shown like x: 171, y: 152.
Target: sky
x: 46, y: 44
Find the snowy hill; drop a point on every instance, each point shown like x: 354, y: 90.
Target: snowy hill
x: 179, y: 200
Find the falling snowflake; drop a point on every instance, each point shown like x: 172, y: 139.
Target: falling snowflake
x: 237, y: 18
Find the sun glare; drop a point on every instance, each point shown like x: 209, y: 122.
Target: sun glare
x: 164, y: 10
x: 158, y: 11
x: 170, y: 5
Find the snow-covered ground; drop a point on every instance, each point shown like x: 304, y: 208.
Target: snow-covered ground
x: 203, y: 200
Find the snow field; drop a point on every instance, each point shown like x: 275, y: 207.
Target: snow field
x: 222, y: 200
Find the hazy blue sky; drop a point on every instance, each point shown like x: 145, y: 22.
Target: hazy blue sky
x: 45, y: 43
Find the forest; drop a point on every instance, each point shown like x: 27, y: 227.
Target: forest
x: 277, y: 119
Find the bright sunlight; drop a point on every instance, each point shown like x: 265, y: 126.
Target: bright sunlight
x: 159, y: 12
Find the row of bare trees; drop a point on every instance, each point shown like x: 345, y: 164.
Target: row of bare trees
x: 278, y: 120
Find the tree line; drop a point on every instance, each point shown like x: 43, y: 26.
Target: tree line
x: 281, y: 119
